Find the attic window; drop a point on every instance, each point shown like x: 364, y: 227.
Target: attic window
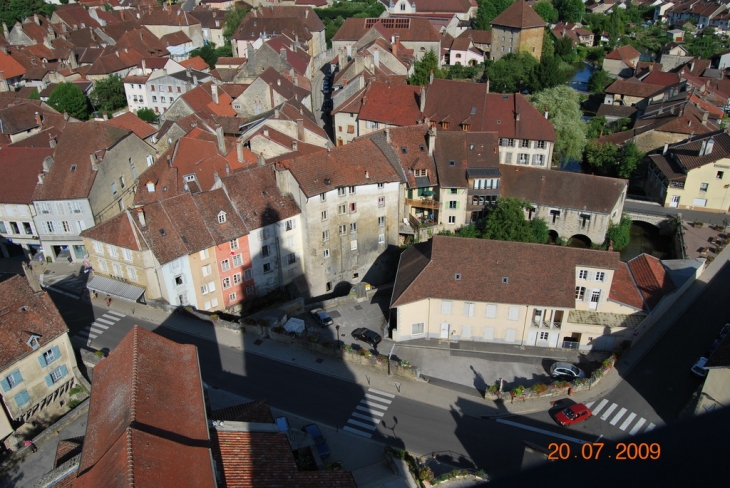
x: 221, y: 217
x: 24, y: 309
x: 473, y: 110
x: 505, y: 97
x: 457, y: 276
x: 452, y: 163
x: 162, y: 232
x: 73, y: 168
x: 499, y: 122
x: 421, y: 147
x: 404, y: 149
x: 471, y: 147
x: 505, y: 280
x: 33, y: 342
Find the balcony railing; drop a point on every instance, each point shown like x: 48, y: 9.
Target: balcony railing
x: 545, y: 324
x: 422, y: 203
x: 571, y: 344
x: 677, y: 184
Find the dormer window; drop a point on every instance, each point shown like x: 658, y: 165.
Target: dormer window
x: 33, y: 342
x: 73, y: 168
x: 444, y: 125
x: 221, y: 217
x: 465, y: 127
x: 150, y: 187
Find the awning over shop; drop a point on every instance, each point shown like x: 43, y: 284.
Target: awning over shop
x: 115, y: 288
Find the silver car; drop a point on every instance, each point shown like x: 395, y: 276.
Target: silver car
x: 566, y: 371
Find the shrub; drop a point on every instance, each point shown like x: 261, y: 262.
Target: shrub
x: 346, y: 347
x: 381, y: 358
x: 364, y: 353
x: 598, y: 373
x: 425, y: 474
x: 607, y: 363
x: 493, y: 389
x: 517, y: 391
x: 539, y: 388
x: 77, y: 389
x: 581, y: 381
x: 313, y: 338
x: 559, y: 384
x: 404, y: 363
x: 214, y: 317
x: 73, y: 404
x: 99, y: 354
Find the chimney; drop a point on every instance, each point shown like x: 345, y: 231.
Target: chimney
x: 487, y: 86
x: 300, y: 129
x: 169, y: 161
x: 214, y: 93
x: 41, y: 175
x: 6, y: 33
x: 266, y: 132
x: 250, y: 53
x: 703, y: 146
x: 517, y: 117
x: 144, y: 66
x: 278, y: 82
x: 423, y: 99
x: 47, y: 163
x: 261, y: 160
x: 394, y: 48
x: 666, y: 147
x: 710, y: 145
x: 51, y: 141
x: 376, y: 58
x: 239, y: 151
x: 195, y: 80
x: 140, y: 217
x: 430, y: 78
x: 93, y: 159
x: 221, y: 141
x: 36, y: 19
x: 431, y: 140
x: 387, y: 135
x: 39, y: 120
x: 367, y: 175
x: 692, y: 66
x: 671, y: 110
x: 276, y: 113
x: 294, y: 145
x: 704, y: 117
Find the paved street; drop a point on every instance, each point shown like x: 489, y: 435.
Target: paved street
x: 687, y: 215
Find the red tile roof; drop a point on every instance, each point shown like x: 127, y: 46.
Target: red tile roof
x: 199, y: 99
x: 40, y: 317
x: 519, y: 15
x: 357, y: 163
x: 633, y: 89
x: 20, y: 167
x: 10, y: 67
x: 119, y: 231
x: 439, y: 259
x: 651, y: 278
x: 130, y: 121
x: 289, y: 20
x: 411, y: 29
x: 627, y: 54
x: 662, y: 79
x: 147, y: 417
x: 195, y: 63
x: 623, y: 289
x: 466, y: 150
x: 390, y: 103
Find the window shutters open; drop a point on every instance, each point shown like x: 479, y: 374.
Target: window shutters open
x: 49, y: 380
x: 42, y: 360
x: 64, y: 370
x: 22, y: 398
x: 5, y: 384
x: 56, y: 352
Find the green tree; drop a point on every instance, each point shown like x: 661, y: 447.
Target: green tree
x: 12, y: 11
x: 615, y: 27
x: 598, y: 81
x: 507, y: 222
x: 512, y: 73
x: 563, y: 107
x: 422, y: 69
x: 34, y: 95
x: 569, y: 10
x: 548, y: 48
x: 69, y: 98
x: 232, y: 21
x: 548, y: 74
x: 487, y: 10
x: 147, y: 114
x: 108, y: 94
x: 564, y: 48
x: 619, y: 234
x: 611, y: 160
x: 208, y: 52
x: 545, y: 9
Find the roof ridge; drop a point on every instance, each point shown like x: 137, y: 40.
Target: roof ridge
x: 130, y: 451
x: 135, y: 361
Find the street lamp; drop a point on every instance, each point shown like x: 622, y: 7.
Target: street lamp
x: 337, y: 328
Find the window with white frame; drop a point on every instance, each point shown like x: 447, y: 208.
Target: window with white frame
x: 289, y: 225
x: 265, y: 251
x: 343, y: 229
x: 132, y: 272
x: 381, y: 186
x: 112, y: 250
x: 325, y: 235
x: 117, y: 269
x: 127, y: 254
x: 98, y: 248
x: 381, y: 238
x: 51, y: 355
x: 381, y: 221
x: 417, y: 329
x: 600, y: 276
x: 248, y: 274
x: 326, y: 253
x: 225, y: 265
x: 452, y: 219
x: 583, y: 274
x: 268, y: 268
x: 580, y: 293
x: 342, y: 209
x: 103, y: 266
x: 233, y: 243
x: 543, y: 336
x: 232, y: 297
x: 353, y: 207
x: 206, y: 270
x: 524, y: 143
x: 341, y: 191
x: 237, y: 260
x: 264, y: 234
x: 322, y: 197
x: 381, y: 201
x: 452, y: 204
x: 540, y: 144
x: 237, y: 279
x: 491, y: 311
x: 514, y: 313
x: 353, y: 227
x: 468, y: 309
x: 221, y: 217
x: 352, y: 190
x: 291, y: 258
x: 226, y: 282
x: 324, y: 214
x: 446, y: 307
x: 204, y: 289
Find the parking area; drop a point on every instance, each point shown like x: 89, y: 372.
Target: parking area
x: 467, y: 366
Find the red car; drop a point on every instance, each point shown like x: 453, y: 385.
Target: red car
x: 573, y: 414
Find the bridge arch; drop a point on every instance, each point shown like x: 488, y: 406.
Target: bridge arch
x: 580, y: 240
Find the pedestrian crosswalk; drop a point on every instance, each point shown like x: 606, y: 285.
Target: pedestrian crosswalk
x: 369, y: 412
x: 96, y: 328
x: 615, y: 414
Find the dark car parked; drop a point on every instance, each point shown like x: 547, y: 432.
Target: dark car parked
x: 319, y: 440
x: 367, y: 335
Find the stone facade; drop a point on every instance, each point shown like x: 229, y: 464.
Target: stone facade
x: 506, y: 40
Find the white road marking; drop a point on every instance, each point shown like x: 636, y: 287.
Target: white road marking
x: 378, y: 399
x: 101, y: 326
x: 374, y: 405
x: 361, y: 424
x: 105, y: 321
x: 381, y: 393
x: 608, y: 412
x: 589, y: 405
x: 358, y: 432
x: 599, y: 407
x: 650, y: 428
x: 628, y: 421
x: 637, y: 426
x: 542, y: 431
x: 121, y: 315
x: 365, y: 417
x: 371, y: 412
x: 618, y: 416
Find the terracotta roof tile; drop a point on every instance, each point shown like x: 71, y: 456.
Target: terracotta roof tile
x: 255, y: 411
x: 118, y: 231
x: 23, y: 313
x: 651, y: 278
x: 289, y: 20
x: 357, y: 163
x: 623, y: 289
x: 195, y: 62
x: 67, y: 449
x: 200, y: 100
x: 627, y: 54
x: 10, y: 67
x: 438, y: 260
x: 457, y: 147
x: 130, y: 121
x: 150, y: 383
x: 411, y: 29
x: 20, y: 167
x: 687, y: 153
x: 520, y: 15
x: 633, y: 89
x: 390, y: 103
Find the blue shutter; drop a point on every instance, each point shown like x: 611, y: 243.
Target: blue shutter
x: 49, y: 380
x: 42, y: 360
x: 16, y: 377
x: 5, y: 384
x: 64, y: 370
x: 56, y: 352
x: 22, y: 398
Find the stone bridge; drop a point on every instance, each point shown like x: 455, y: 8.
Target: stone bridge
x: 659, y: 219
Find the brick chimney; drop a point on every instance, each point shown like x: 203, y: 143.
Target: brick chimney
x: 221, y: 140
x: 300, y: 129
x: 239, y: 151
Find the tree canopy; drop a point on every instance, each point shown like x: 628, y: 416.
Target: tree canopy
x: 545, y: 9
x: 487, y: 11
x: 507, y: 222
x: 569, y: 10
x: 232, y: 21
x: 422, y: 69
x: 612, y: 160
x: 512, y: 73
x: 563, y: 107
x: 598, y: 81
x: 619, y: 235
x: 12, y: 11
x: 108, y: 94
x: 69, y: 98
x: 147, y: 114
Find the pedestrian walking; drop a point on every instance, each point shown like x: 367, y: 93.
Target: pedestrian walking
x: 108, y: 300
x: 94, y: 294
x: 31, y: 445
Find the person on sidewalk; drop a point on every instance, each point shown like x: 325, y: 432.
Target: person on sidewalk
x: 31, y: 445
x: 108, y: 300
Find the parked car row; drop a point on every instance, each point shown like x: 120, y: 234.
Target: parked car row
x: 699, y: 367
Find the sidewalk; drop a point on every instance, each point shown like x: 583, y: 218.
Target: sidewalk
x: 447, y: 395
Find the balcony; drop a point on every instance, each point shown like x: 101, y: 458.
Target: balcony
x: 423, y: 203
x: 545, y: 324
x: 677, y: 184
